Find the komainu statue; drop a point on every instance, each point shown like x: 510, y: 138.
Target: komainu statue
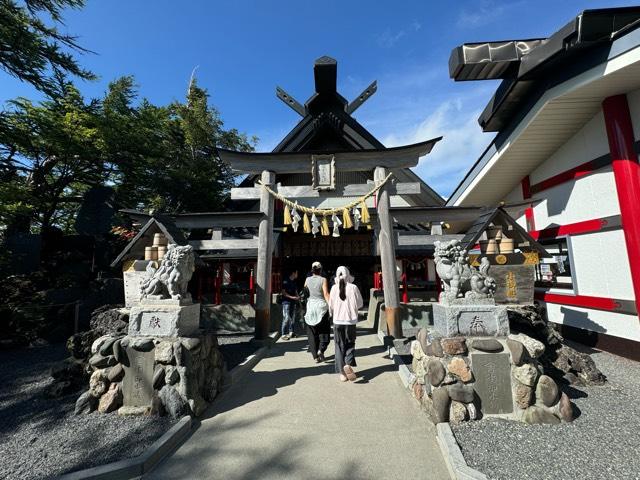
x: 171, y: 278
x: 459, y: 279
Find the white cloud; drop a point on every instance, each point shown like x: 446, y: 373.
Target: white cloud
x: 484, y: 12
x: 388, y: 39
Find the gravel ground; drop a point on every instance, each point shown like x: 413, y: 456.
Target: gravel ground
x: 603, y: 442
x: 235, y: 348
x: 41, y: 438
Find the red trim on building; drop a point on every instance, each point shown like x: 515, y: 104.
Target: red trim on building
x: 573, y: 174
x: 528, y: 212
x: 626, y: 171
x: 597, y: 303
x: 587, y: 226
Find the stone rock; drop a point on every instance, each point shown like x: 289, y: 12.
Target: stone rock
x: 156, y: 406
x: 517, y: 352
x: 416, y: 351
x: 79, y: 345
x: 171, y: 375
x: 125, y: 341
x: 457, y: 412
x: 190, y: 343
x: 97, y: 343
x: 538, y: 415
x: 164, y: 352
x: 158, y: 377
x: 534, y: 347
x: 422, y: 339
x: 86, y: 403
x: 418, y: 391
x: 197, y: 405
x: 111, y: 400
x: 547, y: 391
x: 526, y: 374
x: 435, y: 372
x: 566, y: 409
x: 107, y: 346
x: 119, y: 352
x: 440, y: 405
x: 98, y: 361
x: 523, y: 395
x: 581, y: 365
x: 178, y: 353
x: 454, y: 345
x: 449, y: 379
x: 473, y: 411
x: 98, y: 383
x: 173, y: 402
x: 434, y: 349
x: 143, y: 344
x: 487, y: 345
x: 129, y: 410
x: 420, y: 368
x: 109, y: 319
x: 116, y: 373
x: 458, y: 367
x: 461, y: 392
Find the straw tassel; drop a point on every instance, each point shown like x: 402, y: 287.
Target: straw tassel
x: 306, y: 225
x: 364, y: 213
x: 287, y: 215
x: 346, y: 219
x: 324, y: 227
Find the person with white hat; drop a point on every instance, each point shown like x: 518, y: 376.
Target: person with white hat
x: 344, y: 302
x: 317, y: 315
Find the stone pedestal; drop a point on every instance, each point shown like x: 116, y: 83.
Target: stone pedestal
x: 470, y: 320
x: 164, y: 318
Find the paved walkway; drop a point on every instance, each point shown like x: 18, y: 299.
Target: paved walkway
x: 292, y: 418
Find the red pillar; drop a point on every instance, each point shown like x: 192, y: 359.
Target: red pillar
x: 405, y: 293
x: 626, y: 172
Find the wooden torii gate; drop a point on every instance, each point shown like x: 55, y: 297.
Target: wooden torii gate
x: 269, y: 165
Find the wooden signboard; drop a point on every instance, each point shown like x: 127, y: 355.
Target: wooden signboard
x: 515, y: 283
x: 345, y: 246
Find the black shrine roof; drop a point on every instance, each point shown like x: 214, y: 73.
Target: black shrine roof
x: 327, y: 123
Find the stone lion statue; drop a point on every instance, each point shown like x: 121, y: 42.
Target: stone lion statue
x: 171, y: 278
x: 459, y: 279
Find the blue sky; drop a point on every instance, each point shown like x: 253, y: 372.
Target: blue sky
x: 243, y: 49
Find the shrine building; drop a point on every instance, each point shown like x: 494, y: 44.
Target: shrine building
x: 567, y: 123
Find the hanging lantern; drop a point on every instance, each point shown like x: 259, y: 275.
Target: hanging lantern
x: 336, y: 225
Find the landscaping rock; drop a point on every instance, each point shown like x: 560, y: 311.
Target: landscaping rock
x: 458, y: 367
x: 158, y: 377
x: 461, y: 392
x: 190, y: 343
x: 569, y: 361
x: 116, y: 373
x: 517, y: 352
x: 454, y: 346
x: 547, y: 391
x: 487, y: 345
x: 523, y: 395
x: 106, y: 348
x: 435, y: 372
x: 457, y: 412
x: 418, y: 391
x: 79, y: 345
x: 111, y: 400
x: 178, y: 353
x: 164, y: 352
x: 416, y: 351
x: 173, y: 402
x: 86, y: 403
x: 98, y: 383
x: 128, y: 410
x: 119, y: 352
x: 109, y: 319
x: 440, y: 405
x: 473, y: 411
x: 526, y: 374
x: 97, y: 343
x: 534, y: 347
x: 171, y: 375
x: 422, y: 338
x: 566, y: 409
x: 538, y: 415
x: 142, y: 344
x: 434, y: 349
x: 98, y: 361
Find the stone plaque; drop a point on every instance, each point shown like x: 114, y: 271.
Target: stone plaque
x: 164, y: 321
x: 493, y: 382
x: 132, y: 282
x: 137, y: 384
x: 470, y: 320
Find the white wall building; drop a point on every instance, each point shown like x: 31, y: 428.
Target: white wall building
x: 567, y: 117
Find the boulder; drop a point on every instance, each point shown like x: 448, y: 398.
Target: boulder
x: 435, y: 372
x: 457, y: 412
x: 422, y: 339
x: 459, y: 368
x: 97, y: 343
x: 164, y: 352
x: 487, y: 345
x: 109, y: 319
x: 534, y: 347
x: 190, y: 343
x: 86, y: 403
x: 440, y: 405
x: 454, y: 345
x: 173, y: 402
x: 418, y: 391
x: 106, y: 348
x: 98, y: 361
x: 538, y: 415
x: 158, y: 377
x: 178, y: 353
x: 142, y: 344
x: 171, y: 375
x: 461, y: 392
x: 473, y: 411
x: 416, y: 350
x: 517, y: 352
x: 567, y: 360
x: 523, y: 395
x: 98, y: 383
x: 119, y: 352
x: 434, y: 348
x: 566, y: 409
x: 526, y: 374
x: 111, y: 400
x: 547, y: 391
x: 116, y: 373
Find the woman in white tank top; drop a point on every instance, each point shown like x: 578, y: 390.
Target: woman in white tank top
x: 317, y: 315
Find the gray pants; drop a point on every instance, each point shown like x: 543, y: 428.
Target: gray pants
x: 344, y: 338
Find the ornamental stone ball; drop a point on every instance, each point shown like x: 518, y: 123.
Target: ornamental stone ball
x: 171, y: 278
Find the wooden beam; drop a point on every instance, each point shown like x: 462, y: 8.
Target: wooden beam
x: 306, y: 191
x: 218, y: 219
x: 291, y: 102
x: 435, y: 214
x: 263, y: 268
x: 363, y: 97
x: 225, y: 244
x: 346, y: 161
x: 408, y: 240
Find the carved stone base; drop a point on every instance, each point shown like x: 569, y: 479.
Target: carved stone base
x: 470, y: 320
x: 164, y: 319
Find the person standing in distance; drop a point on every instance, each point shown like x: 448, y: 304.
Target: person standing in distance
x: 290, y: 300
x: 317, y: 316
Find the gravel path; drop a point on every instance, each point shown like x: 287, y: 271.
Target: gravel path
x: 603, y: 442
x: 41, y: 438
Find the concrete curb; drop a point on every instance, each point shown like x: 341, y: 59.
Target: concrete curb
x: 456, y: 463
x: 137, y: 466
x: 403, y: 370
